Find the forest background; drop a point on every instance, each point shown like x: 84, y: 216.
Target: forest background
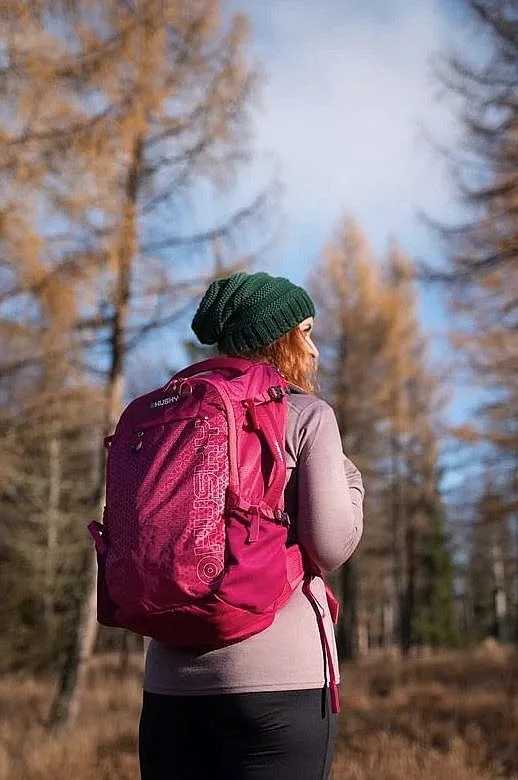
x: 144, y: 152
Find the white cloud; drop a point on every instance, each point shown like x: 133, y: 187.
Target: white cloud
x: 348, y: 97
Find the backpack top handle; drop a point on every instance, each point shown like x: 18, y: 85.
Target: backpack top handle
x: 234, y: 364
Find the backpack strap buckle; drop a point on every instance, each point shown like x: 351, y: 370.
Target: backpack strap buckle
x: 282, y: 518
x: 276, y: 393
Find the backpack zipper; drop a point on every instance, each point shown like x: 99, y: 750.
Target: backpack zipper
x: 144, y: 426
x: 140, y: 430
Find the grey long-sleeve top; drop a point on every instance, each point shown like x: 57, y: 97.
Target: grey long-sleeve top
x: 324, y: 497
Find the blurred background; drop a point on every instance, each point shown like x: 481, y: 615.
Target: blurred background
x: 368, y: 151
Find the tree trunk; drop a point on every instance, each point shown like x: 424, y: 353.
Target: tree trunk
x: 387, y: 624
x: 499, y: 594
x: 347, y: 631
x: 347, y: 578
x: 408, y: 605
x: 53, y: 508
x: 399, y: 559
x: 65, y: 707
x: 74, y: 674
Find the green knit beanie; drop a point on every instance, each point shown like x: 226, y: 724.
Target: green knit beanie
x: 248, y: 311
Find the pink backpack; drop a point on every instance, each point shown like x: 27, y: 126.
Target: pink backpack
x: 192, y: 548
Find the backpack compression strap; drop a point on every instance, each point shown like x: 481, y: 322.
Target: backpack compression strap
x: 300, y: 571
x: 329, y: 666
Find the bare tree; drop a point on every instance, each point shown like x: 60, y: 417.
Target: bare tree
x: 121, y: 115
x: 481, y: 275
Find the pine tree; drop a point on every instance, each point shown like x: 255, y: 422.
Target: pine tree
x: 375, y: 374
x: 47, y: 415
x: 120, y: 115
x: 434, y: 623
x: 482, y: 270
x: 351, y: 335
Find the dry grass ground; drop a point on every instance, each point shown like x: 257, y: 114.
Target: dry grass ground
x: 450, y: 718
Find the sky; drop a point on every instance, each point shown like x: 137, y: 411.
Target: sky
x: 348, y: 119
x: 347, y: 108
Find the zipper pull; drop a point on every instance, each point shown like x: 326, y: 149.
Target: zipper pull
x: 137, y: 443
x: 97, y: 533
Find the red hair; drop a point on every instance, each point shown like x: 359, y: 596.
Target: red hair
x: 290, y: 356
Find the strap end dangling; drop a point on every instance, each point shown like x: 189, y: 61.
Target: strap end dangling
x: 335, y: 697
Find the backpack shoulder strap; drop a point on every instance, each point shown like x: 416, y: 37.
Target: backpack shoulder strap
x: 272, y: 427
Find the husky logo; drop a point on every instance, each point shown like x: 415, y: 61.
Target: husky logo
x: 171, y: 399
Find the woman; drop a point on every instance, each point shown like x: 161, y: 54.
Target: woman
x: 253, y: 710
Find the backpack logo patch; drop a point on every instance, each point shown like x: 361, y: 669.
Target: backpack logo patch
x: 209, y: 543
x: 171, y: 399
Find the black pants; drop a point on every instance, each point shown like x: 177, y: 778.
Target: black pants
x: 284, y: 735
